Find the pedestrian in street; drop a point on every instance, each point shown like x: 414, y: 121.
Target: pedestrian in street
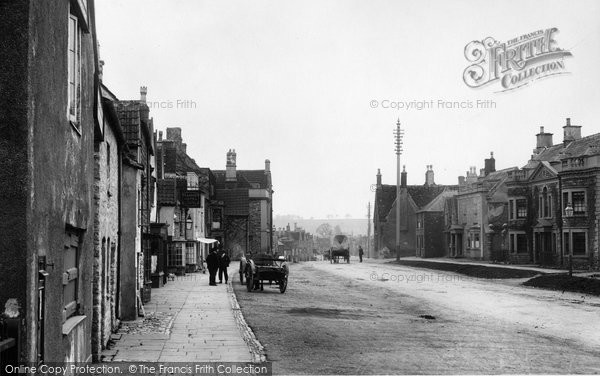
x: 360, y: 253
x: 212, y: 263
x: 223, y: 265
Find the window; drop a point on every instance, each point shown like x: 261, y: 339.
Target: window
x: 175, y: 254
x: 70, y: 278
x: 190, y: 253
x: 517, y: 208
x: 545, y: 208
x: 579, y: 243
x: 74, y: 72
x: 473, y: 240
x: 521, y: 208
x: 577, y: 200
x: 518, y: 242
x: 216, y: 219
x: 575, y: 242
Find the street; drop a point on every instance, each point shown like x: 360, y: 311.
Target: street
x: 379, y: 318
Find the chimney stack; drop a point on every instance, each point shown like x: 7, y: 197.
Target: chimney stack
x: 544, y: 141
x: 230, y: 169
x: 461, y: 180
x: 403, y: 177
x: 429, y: 176
x: 378, y: 178
x: 267, y: 166
x: 160, y: 135
x: 490, y: 165
x: 571, y: 132
x: 100, y: 69
x: 143, y: 92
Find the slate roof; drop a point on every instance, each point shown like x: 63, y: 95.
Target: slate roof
x: 585, y: 146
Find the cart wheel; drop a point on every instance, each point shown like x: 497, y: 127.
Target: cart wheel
x: 283, y: 285
x: 250, y: 282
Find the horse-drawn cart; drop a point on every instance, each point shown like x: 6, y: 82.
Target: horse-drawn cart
x: 340, y: 249
x: 263, y: 267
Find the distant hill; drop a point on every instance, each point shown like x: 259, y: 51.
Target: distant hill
x: 347, y: 225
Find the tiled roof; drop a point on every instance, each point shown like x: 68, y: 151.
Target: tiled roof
x: 235, y: 200
x: 166, y: 192
x: 423, y: 194
x: 245, y: 179
x: 438, y: 203
x: 384, y: 199
x: 129, y: 117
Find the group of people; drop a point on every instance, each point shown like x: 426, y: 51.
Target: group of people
x: 217, y: 261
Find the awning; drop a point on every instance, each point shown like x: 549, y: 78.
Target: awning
x: 207, y: 240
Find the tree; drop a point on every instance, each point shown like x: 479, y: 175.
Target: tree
x: 324, y: 231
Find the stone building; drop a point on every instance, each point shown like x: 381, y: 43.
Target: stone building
x: 137, y: 201
x: 430, y: 237
x: 109, y: 149
x: 476, y: 219
x: 296, y: 243
x: 554, y: 202
x: 48, y: 120
x: 412, y: 199
x: 182, y: 202
x: 243, y: 208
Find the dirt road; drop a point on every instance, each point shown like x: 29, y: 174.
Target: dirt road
x: 361, y: 319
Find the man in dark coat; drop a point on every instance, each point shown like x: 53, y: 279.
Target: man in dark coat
x: 223, y: 265
x: 360, y: 253
x: 212, y: 263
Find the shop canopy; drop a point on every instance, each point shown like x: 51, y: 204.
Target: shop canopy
x: 207, y: 240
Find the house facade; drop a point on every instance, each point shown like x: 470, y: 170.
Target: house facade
x: 109, y: 149
x: 242, y: 208
x: 182, y: 203
x: 412, y: 199
x: 553, y: 202
x: 138, y: 191
x: 48, y: 119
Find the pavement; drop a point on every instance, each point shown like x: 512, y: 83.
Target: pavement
x: 187, y: 321
x: 459, y: 261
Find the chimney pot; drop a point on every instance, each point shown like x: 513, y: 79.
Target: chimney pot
x: 143, y: 92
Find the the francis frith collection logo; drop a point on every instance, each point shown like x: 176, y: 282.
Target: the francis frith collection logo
x: 515, y: 63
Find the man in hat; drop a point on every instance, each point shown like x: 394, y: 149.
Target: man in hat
x: 212, y: 263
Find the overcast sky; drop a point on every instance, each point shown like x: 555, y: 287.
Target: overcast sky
x: 294, y: 81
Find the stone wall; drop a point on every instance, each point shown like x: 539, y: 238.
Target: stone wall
x: 106, y: 232
x: 236, y: 236
x: 254, y: 226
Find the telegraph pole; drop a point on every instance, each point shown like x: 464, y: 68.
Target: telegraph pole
x: 369, y: 231
x: 398, y: 135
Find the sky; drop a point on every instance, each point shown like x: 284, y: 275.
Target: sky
x: 314, y: 86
